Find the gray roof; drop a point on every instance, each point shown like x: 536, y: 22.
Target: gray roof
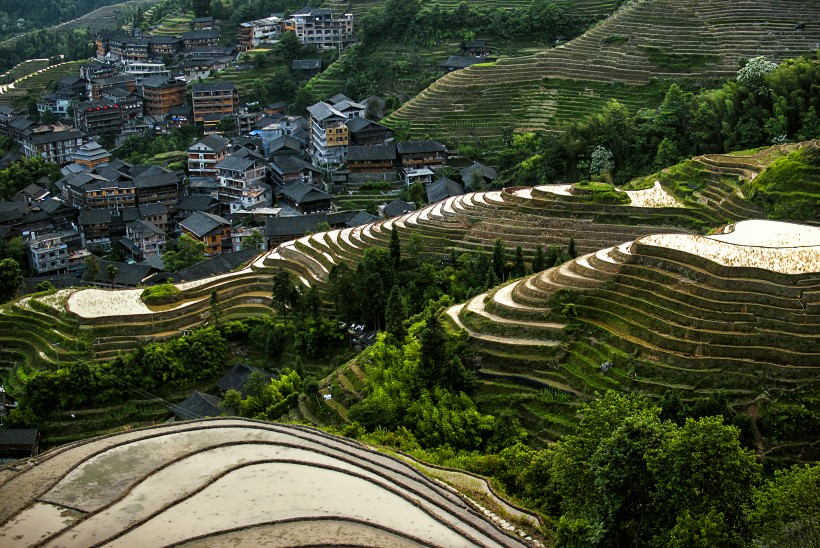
x: 127, y: 274
x: 221, y: 264
x: 55, y: 136
x: 237, y: 377
x: 291, y: 164
x: 306, y: 64
x: 195, y: 202
x: 357, y: 123
x: 443, y: 188
x: 341, y: 106
x: 158, y: 81
x: 236, y: 163
x: 371, y: 153
x: 202, y: 34
x: 362, y: 218
x: 398, y: 207
x: 285, y: 143
x: 293, y: 226
x: 302, y: 193
x: 151, y: 180
x: 201, y: 223
x: 19, y: 436
x: 214, y: 142
x: 160, y: 39
x: 197, y: 406
x: 460, y: 62
x: 144, y: 228
x: 153, y: 209
x: 95, y: 216
x: 486, y: 172
x: 416, y: 147
x: 323, y: 111
x: 213, y: 86
x: 338, y: 98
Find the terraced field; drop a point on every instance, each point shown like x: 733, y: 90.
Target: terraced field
x: 644, y: 41
x: 740, y: 309
x: 226, y: 482
x: 36, y: 81
x: 107, y: 322
x: 589, y: 8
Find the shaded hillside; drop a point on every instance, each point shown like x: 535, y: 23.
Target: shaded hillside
x: 644, y: 41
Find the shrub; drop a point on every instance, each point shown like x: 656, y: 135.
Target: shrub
x: 160, y: 294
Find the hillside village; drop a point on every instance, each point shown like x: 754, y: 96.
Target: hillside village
x: 255, y: 170
x: 528, y: 273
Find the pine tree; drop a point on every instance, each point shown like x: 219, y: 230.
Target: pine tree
x: 539, y: 262
x: 395, y: 314
x: 499, y: 259
x: 519, y: 268
x: 215, y: 310
x: 571, y: 249
x: 395, y: 247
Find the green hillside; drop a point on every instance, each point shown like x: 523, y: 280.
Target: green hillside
x: 694, y: 41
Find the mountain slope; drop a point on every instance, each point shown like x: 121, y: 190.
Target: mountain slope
x: 644, y: 41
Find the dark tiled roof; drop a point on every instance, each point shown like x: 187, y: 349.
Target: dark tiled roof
x: 53, y: 205
x: 486, y: 172
x: 214, y: 142
x: 290, y: 164
x: 460, y: 62
x: 158, y: 81
x: 144, y: 228
x: 443, y: 188
x: 338, y: 98
x: 127, y: 274
x: 285, y: 143
x: 204, y: 34
x: 306, y: 64
x: 55, y: 136
x: 398, y: 207
x: 357, y: 123
x: 323, y: 111
x: 416, y: 147
x: 153, y: 209
x: 293, y: 226
x: 197, y: 406
x: 236, y: 163
x: 237, y: 377
x: 302, y: 193
x: 221, y: 264
x: 371, y: 153
x: 153, y: 180
x: 213, y: 86
x: 362, y: 218
x: 195, y: 202
x: 201, y: 223
x: 94, y: 216
x: 19, y: 436
x: 159, y: 39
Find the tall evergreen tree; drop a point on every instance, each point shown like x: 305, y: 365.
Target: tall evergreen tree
x: 395, y: 247
x: 395, y: 314
x: 499, y: 259
x: 571, y: 249
x: 539, y: 262
x: 519, y: 268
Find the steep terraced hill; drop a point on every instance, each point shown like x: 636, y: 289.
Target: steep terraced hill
x: 737, y: 311
x: 644, y: 41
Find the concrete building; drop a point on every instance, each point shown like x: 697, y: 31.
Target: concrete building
x: 328, y: 135
x: 318, y: 26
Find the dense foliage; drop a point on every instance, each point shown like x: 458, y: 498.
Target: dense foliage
x: 16, y: 16
x: 734, y: 117
x: 790, y: 187
x: 425, y: 23
x: 28, y: 171
x: 187, y: 252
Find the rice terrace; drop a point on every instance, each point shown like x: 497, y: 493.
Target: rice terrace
x: 410, y: 273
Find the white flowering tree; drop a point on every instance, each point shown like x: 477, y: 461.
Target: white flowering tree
x: 753, y: 75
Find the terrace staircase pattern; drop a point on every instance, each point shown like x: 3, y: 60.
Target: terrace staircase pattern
x: 662, y: 318
x: 234, y: 480
x: 94, y: 328
x: 644, y: 40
